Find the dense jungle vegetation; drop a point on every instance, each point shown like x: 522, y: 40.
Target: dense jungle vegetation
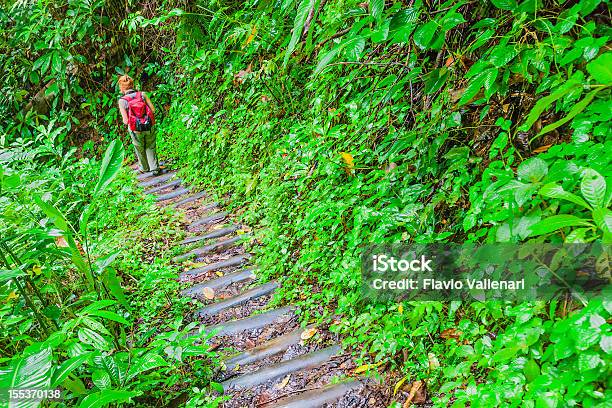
x: 333, y: 124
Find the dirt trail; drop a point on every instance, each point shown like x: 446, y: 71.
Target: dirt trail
x: 270, y: 361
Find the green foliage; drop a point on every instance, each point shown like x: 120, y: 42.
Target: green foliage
x: 424, y: 123
x: 69, y: 305
x: 335, y: 124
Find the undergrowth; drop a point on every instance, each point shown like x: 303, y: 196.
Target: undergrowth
x: 387, y: 123
x: 329, y: 125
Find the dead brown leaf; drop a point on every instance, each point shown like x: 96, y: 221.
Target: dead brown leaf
x: 418, y: 394
x: 308, y: 333
x: 283, y: 383
x: 451, y: 333
x: 542, y: 148
x: 208, y: 293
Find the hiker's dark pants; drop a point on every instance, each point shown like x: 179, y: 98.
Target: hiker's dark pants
x: 144, y: 144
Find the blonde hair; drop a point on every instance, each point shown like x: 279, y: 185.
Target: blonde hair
x: 125, y: 83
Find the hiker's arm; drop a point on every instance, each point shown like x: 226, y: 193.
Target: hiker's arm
x: 124, y: 114
x: 148, y: 102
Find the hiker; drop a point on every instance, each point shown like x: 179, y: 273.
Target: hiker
x: 137, y: 113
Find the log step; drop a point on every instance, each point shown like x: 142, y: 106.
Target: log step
x: 157, y: 180
x: 164, y: 186
x: 265, y: 350
x: 220, y: 282
x: 149, y: 174
x: 213, y: 234
x: 244, y: 297
x: 208, y: 220
x: 233, y: 261
x: 172, y: 194
x: 190, y: 199
x: 208, y: 249
x: 249, y: 323
x: 318, y: 397
x: 278, y: 370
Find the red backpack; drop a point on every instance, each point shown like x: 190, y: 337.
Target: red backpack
x: 140, y: 116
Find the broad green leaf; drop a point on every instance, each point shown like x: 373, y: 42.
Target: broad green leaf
x: 88, y: 336
x: 352, y: 44
x: 502, y: 55
x: 298, y: 27
x: 402, y: 24
x: 603, y: 219
x: 105, y: 314
x: 6, y: 274
x: 33, y: 372
x: 593, y: 187
x: 531, y: 370
x: 545, y: 103
x: 576, y: 109
x: 101, y: 379
x: 147, y: 362
x: 377, y: 7
x: 108, y: 363
x: 113, y: 283
x: 435, y: 80
x: 67, y: 368
x: 451, y: 20
x: 577, y: 236
x: 472, y: 89
x: 509, y: 5
x: 556, y: 222
x: 533, y: 169
x: 423, y: 35
x: 601, y: 68
x: 113, y: 159
x: 97, y: 305
x: 553, y: 190
x: 505, y: 354
x: 354, y: 48
x: 104, y: 398
x: 56, y: 63
x: 54, y: 215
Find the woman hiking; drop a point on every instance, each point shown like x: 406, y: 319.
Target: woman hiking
x: 137, y: 113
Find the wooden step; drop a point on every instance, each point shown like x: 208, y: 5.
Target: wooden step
x: 249, y: 323
x: 242, y: 298
x: 156, y: 180
x: 281, y: 369
x: 268, y: 349
x: 318, y: 397
x: 233, y: 261
x: 211, y: 248
x: 150, y: 174
x: 190, y: 199
x: 220, y: 282
x: 164, y: 186
x: 172, y: 194
x: 221, y: 232
x: 210, y: 219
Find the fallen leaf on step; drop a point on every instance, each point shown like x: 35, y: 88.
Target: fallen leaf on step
x: 366, y: 367
x: 208, y: 293
x: 219, y: 273
x: 308, y: 333
x: 283, y: 383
